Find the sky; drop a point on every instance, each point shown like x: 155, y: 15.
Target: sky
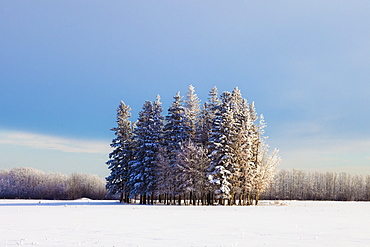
x: 66, y: 65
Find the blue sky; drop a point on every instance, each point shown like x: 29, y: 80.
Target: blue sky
x: 65, y: 65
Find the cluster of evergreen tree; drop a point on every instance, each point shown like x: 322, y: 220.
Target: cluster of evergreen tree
x: 214, y: 153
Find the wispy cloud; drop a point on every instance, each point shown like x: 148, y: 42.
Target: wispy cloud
x: 40, y: 141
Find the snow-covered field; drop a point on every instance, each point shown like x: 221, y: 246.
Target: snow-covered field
x: 108, y: 223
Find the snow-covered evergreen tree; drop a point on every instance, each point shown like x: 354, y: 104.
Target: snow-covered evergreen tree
x: 223, y: 136
x: 237, y: 101
x: 206, y: 117
x: 192, y: 110
x: 120, y: 157
x: 165, y: 177
x: 256, y: 142
x: 148, y: 135
x: 158, y: 121
x: 176, y: 129
x: 245, y: 117
x: 193, y: 162
x: 237, y: 146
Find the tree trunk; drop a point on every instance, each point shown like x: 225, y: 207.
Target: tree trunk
x: 179, y: 199
x: 257, y: 198
x: 209, y: 199
x: 127, y: 197
x: 249, y: 199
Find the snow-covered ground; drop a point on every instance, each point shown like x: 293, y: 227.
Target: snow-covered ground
x: 108, y: 223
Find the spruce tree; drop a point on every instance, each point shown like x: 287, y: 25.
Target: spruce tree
x: 192, y: 110
x: 177, y: 128
x: 223, y: 134
x: 176, y: 131
x: 206, y: 117
x: 120, y: 157
x: 147, y: 138
x: 248, y: 150
x: 242, y: 147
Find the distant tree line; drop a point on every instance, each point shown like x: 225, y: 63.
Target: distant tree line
x: 301, y: 185
x: 207, y: 154
x: 30, y: 183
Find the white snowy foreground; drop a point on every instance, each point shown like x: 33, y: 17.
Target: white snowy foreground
x: 108, y: 223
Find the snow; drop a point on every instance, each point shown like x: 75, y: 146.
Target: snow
x: 108, y: 223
